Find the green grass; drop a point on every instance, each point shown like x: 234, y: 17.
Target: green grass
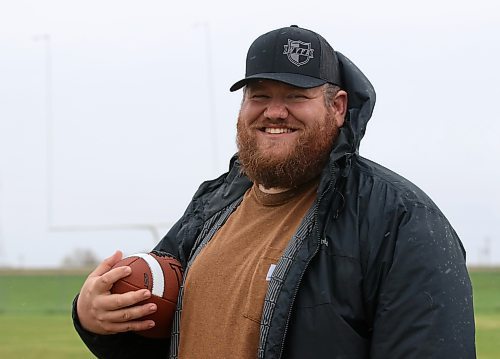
x: 35, y: 315
x: 38, y: 336
x: 486, y: 284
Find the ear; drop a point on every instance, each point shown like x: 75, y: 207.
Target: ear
x: 339, y: 107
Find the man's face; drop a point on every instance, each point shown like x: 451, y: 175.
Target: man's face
x: 285, y: 133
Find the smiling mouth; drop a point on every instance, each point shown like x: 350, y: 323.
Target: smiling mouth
x: 277, y: 130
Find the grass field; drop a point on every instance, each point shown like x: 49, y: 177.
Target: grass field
x: 35, y: 316
x: 486, y: 285
x: 35, y: 319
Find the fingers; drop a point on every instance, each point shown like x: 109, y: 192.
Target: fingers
x: 119, y: 301
x: 113, y: 328
x: 113, y: 313
x: 104, y: 282
x: 125, y: 319
x: 128, y: 314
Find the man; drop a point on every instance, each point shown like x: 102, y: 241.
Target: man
x: 304, y: 249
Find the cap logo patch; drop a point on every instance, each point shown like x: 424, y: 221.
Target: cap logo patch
x: 298, y: 52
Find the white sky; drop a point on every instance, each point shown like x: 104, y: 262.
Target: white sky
x: 134, y: 84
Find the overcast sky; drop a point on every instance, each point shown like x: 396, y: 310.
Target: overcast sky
x: 140, y: 112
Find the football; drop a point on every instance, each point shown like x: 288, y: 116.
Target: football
x: 161, y: 273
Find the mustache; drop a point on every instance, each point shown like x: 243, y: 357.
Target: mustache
x: 277, y: 123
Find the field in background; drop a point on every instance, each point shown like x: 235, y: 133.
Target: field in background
x: 35, y: 314
x: 486, y: 285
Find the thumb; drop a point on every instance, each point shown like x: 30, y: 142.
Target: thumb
x: 107, y: 264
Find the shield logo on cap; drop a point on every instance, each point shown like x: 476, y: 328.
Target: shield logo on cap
x: 298, y: 52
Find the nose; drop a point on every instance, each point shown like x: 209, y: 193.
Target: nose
x: 276, y: 110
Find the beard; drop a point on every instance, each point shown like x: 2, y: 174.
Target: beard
x: 300, y: 162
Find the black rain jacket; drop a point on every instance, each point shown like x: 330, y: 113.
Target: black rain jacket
x: 375, y: 270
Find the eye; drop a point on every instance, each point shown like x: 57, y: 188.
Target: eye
x: 259, y: 96
x: 298, y: 96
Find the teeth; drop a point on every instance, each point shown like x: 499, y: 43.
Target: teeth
x: 277, y: 130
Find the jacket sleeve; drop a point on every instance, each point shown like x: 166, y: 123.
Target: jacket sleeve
x: 424, y: 296
x: 122, y: 345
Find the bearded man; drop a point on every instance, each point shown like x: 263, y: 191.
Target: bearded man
x: 304, y: 249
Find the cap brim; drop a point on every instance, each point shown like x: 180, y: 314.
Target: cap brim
x: 297, y: 80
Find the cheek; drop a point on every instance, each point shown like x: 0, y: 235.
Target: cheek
x: 318, y: 123
x: 242, y: 124
x: 250, y: 112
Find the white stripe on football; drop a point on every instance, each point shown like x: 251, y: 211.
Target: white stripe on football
x: 158, y: 286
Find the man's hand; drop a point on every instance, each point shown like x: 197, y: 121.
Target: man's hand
x: 101, y: 312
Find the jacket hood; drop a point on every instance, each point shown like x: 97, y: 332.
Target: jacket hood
x: 361, y: 101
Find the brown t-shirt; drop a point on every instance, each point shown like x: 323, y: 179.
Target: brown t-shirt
x: 226, y: 285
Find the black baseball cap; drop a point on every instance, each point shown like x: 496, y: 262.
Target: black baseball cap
x: 296, y: 56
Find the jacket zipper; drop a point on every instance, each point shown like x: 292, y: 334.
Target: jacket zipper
x: 302, y: 274
x: 293, y: 300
